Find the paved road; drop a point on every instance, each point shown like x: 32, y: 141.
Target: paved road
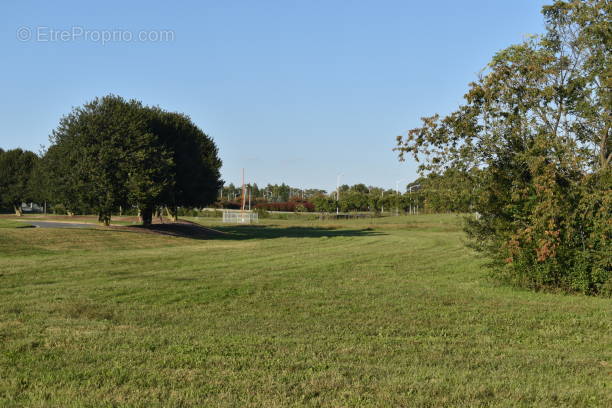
x: 51, y: 224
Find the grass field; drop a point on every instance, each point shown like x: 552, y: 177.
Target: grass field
x: 382, y: 312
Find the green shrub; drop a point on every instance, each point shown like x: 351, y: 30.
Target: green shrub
x: 262, y: 212
x: 59, y: 209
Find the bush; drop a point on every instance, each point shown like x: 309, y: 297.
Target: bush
x: 262, y: 212
x: 560, y: 238
x: 59, y: 209
x: 187, y: 212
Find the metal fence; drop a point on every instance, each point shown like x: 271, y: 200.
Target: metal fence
x: 240, y: 217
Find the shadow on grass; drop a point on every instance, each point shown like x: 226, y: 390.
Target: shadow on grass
x: 244, y: 232
x: 265, y: 232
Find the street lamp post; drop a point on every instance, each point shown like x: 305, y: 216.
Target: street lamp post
x: 397, y: 195
x: 413, y: 209
x: 410, y: 195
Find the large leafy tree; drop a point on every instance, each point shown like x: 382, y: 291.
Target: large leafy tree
x: 196, y: 163
x: 112, y: 152
x: 536, y: 125
x: 104, y: 156
x: 39, y: 182
x: 16, y: 167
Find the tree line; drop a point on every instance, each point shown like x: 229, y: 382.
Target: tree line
x: 33, y: 181
x: 270, y: 193
x: 113, y: 153
x: 533, y: 138
x: 358, y: 197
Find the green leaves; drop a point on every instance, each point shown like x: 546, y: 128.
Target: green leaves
x: 536, y: 126
x: 16, y: 169
x: 112, y: 152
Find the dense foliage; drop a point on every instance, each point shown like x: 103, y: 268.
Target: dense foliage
x: 270, y: 193
x: 534, y: 134
x: 16, y: 169
x: 112, y: 152
x: 450, y: 191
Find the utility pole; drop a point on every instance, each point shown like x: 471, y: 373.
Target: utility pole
x: 338, y: 194
x: 413, y: 208
x: 410, y: 195
x: 243, y: 192
x: 397, y: 197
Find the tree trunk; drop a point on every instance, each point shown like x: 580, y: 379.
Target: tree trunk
x: 18, y: 211
x: 146, y: 215
x: 104, y: 219
x: 172, y: 214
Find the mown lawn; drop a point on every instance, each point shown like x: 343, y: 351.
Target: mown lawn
x: 384, y: 312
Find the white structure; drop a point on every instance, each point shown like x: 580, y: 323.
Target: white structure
x: 240, y: 217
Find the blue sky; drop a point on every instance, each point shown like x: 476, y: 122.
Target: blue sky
x: 294, y: 91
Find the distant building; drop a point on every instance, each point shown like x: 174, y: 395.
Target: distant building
x: 31, y: 208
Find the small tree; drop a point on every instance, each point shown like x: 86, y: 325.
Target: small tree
x: 323, y: 203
